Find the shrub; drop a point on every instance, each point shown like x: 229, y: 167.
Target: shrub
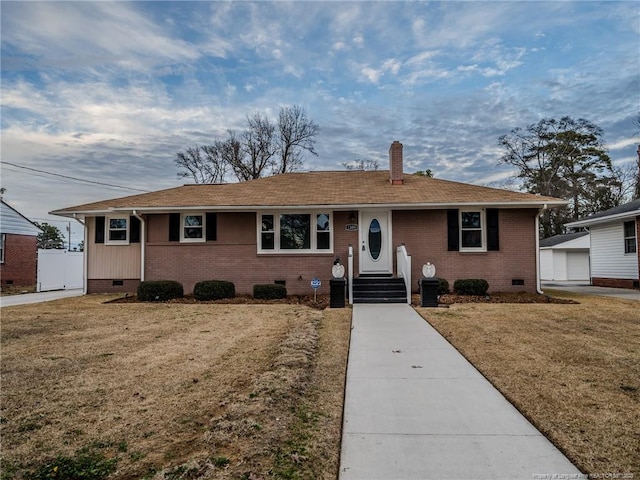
x: 443, y: 286
x: 159, y: 290
x: 471, y: 286
x: 214, y: 290
x: 269, y: 291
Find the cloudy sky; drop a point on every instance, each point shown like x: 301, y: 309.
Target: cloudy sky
x: 110, y: 91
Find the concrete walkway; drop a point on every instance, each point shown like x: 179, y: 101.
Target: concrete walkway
x: 586, y: 289
x: 416, y: 409
x: 11, y: 300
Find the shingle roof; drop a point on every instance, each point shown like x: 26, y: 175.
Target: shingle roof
x: 558, y: 239
x: 631, y: 208
x: 337, y: 189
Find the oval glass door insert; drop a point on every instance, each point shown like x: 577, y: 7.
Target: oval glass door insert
x: 375, y: 239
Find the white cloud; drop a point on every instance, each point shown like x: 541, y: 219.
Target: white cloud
x: 392, y: 65
x: 371, y: 74
x: 74, y: 34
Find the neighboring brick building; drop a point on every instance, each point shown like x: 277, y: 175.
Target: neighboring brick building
x: 18, y: 248
x: 289, y: 228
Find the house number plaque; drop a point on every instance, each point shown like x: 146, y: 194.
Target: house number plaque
x: 351, y: 227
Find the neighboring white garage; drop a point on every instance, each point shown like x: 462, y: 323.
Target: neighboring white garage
x: 565, y: 257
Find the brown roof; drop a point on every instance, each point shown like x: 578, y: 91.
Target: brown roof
x: 346, y: 189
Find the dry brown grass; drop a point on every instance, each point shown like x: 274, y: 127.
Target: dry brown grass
x: 179, y: 387
x: 573, y: 370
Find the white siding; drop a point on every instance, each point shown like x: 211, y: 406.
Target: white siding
x: 546, y: 264
x: 608, y: 259
x: 12, y: 222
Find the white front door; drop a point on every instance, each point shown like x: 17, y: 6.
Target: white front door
x: 375, y: 242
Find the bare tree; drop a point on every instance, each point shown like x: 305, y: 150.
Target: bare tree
x: 263, y: 148
x: 296, y: 134
x: 362, y: 164
x: 636, y: 190
x: 203, y: 164
x: 256, y: 148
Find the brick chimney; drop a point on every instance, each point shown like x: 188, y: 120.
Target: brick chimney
x: 395, y: 164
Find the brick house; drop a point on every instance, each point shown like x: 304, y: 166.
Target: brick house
x: 290, y: 228
x: 614, y: 245
x: 18, y: 248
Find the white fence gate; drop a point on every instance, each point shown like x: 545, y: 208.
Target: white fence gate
x: 59, y: 270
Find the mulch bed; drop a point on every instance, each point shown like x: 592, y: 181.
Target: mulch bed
x: 322, y: 301
x: 501, y: 297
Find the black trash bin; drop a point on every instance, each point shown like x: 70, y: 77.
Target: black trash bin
x: 428, y: 292
x: 337, y: 292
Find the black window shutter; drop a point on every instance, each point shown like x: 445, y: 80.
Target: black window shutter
x: 100, y: 229
x: 174, y: 227
x: 453, y: 234
x: 134, y: 229
x: 212, y: 226
x: 493, y: 234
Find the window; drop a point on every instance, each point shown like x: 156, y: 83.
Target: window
x: 117, y: 230
x: 268, y: 233
x: 472, y: 235
x: 630, y: 237
x: 473, y: 230
x: 192, y: 227
x: 323, y: 231
x: 3, y: 238
x: 295, y: 232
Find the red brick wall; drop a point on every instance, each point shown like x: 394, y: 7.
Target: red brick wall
x: 106, y: 286
x: 234, y: 257
x: 614, y: 282
x: 20, y: 259
x: 424, y: 232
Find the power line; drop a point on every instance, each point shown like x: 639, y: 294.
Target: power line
x: 74, y: 178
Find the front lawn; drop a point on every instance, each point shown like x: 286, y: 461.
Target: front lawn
x: 573, y: 370
x: 170, y: 391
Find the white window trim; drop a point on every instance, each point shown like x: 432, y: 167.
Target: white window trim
x: 276, y: 233
x: 107, y: 230
x: 483, y: 229
x: 625, y: 238
x: 204, y: 227
x: 3, y: 246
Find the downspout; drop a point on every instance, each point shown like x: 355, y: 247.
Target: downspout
x: 538, y: 284
x: 142, y: 243
x: 85, y: 263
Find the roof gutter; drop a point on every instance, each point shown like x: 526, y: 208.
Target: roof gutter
x: 354, y: 206
x: 142, y: 243
x: 537, y: 233
x: 609, y: 218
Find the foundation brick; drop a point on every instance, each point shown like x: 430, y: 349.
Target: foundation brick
x: 233, y: 256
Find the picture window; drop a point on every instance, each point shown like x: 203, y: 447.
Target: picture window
x: 295, y: 232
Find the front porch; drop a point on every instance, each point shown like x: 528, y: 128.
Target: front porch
x: 381, y: 287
